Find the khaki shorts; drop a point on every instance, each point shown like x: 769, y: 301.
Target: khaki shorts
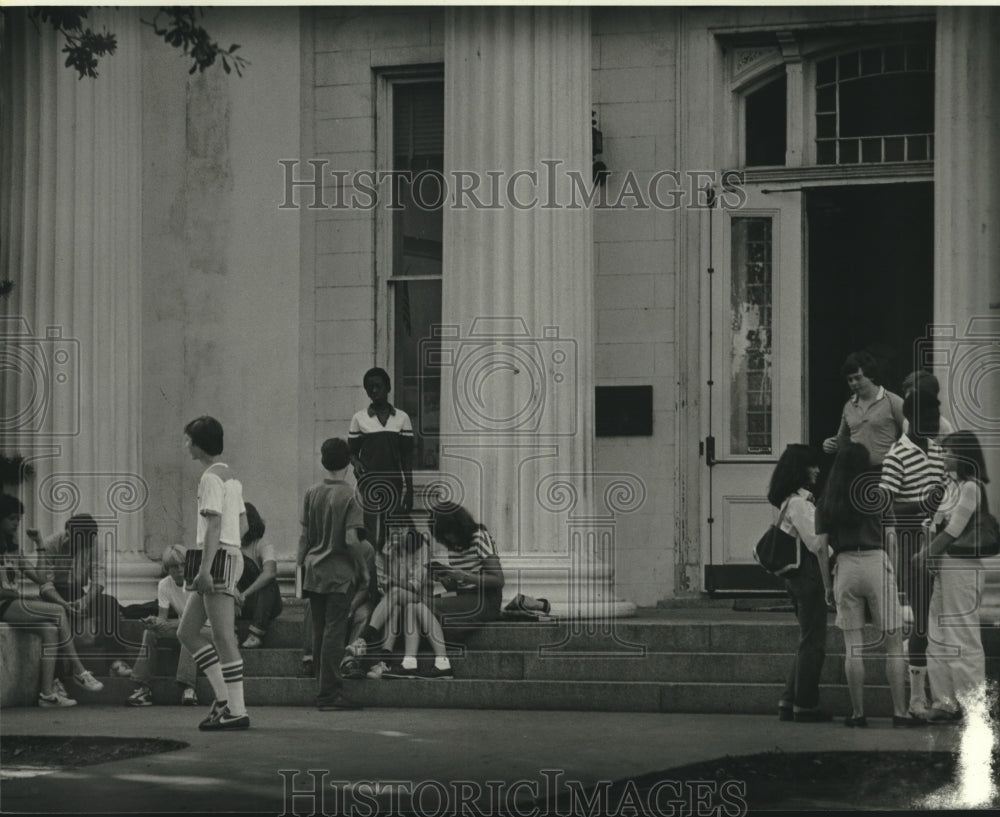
x: 864, y: 583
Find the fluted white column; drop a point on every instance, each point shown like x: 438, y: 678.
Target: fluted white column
x: 967, y: 238
x: 71, y: 223
x: 517, y: 384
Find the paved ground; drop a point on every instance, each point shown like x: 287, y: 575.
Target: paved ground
x: 426, y: 752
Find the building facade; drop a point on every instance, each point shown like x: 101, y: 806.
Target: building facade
x: 604, y: 365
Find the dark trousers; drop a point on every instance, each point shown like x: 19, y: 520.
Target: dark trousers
x: 264, y: 605
x: 330, y: 623
x: 381, y: 496
x: 916, y: 586
x: 808, y: 599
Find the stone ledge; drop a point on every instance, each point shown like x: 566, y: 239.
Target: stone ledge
x: 20, y: 668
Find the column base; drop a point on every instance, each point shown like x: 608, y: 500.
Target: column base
x: 134, y: 579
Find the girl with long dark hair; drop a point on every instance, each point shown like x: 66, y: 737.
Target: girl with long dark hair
x: 790, y: 491
x: 850, y: 519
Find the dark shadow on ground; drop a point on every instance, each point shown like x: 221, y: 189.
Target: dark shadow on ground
x: 19, y: 751
x: 779, y: 781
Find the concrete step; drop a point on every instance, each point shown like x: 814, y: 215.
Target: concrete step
x: 530, y: 666
x: 607, y: 696
x: 625, y: 638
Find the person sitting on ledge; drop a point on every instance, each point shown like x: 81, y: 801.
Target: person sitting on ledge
x: 18, y: 609
x: 74, y: 573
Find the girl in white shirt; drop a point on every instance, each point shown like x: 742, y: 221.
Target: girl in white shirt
x: 790, y: 491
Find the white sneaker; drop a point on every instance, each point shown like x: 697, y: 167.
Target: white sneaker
x: 376, y: 672
x: 252, y: 642
x: 57, y: 686
x: 87, y: 681
x: 54, y: 699
x: 919, y: 709
x: 189, y: 697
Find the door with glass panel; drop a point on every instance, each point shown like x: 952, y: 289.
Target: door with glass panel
x: 755, y: 379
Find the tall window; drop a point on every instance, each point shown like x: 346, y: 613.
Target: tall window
x: 751, y: 301
x: 766, y: 124
x: 414, y: 282
x: 876, y: 105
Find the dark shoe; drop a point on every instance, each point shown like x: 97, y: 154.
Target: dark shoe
x: 785, y: 713
x: 812, y: 716
x: 218, y: 707
x: 906, y: 722
x: 340, y: 702
x: 434, y: 672
x: 226, y: 721
x: 352, y: 670
x: 399, y: 671
x: 856, y: 723
x: 307, y: 669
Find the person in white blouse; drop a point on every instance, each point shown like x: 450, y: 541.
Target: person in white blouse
x: 790, y: 491
x: 956, y: 663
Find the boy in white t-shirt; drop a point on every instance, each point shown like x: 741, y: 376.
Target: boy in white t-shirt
x: 170, y: 597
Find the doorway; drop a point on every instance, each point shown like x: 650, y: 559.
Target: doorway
x: 871, y: 286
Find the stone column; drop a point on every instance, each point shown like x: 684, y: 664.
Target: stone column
x: 966, y: 335
x: 71, y: 224
x: 517, y: 343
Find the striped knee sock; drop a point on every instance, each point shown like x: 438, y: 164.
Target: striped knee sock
x: 208, y: 660
x: 233, y: 675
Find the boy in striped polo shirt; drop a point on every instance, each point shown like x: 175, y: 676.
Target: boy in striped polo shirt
x: 913, y: 480
x: 381, y: 441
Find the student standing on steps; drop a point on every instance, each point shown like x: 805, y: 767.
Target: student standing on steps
x: 330, y: 552
x: 850, y: 520
x: 790, y: 491
x: 913, y: 481
x: 221, y: 523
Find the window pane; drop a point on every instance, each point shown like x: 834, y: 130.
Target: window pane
x: 750, y: 341
x: 871, y: 150
x: 416, y: 385
x: 848, y: 151
x: 826, y: 71
x: 766, y: 124
x: 895, y: 149
x: 826, y: 153
x: 826, y: 125
x: 871, y: 61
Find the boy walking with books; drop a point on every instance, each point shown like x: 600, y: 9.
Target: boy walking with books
x: 330, y: 552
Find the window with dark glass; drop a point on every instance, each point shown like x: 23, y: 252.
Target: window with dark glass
x: 876, y: 105
x: 415, y: 282
x: 749, y: 342
x: 766, y: 119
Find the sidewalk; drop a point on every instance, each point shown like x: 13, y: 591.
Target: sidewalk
x: 482, y: 761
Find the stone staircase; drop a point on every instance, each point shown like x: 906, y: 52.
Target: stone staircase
x: 697, y: 659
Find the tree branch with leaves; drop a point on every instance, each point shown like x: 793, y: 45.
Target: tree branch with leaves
x: 178, y: 26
